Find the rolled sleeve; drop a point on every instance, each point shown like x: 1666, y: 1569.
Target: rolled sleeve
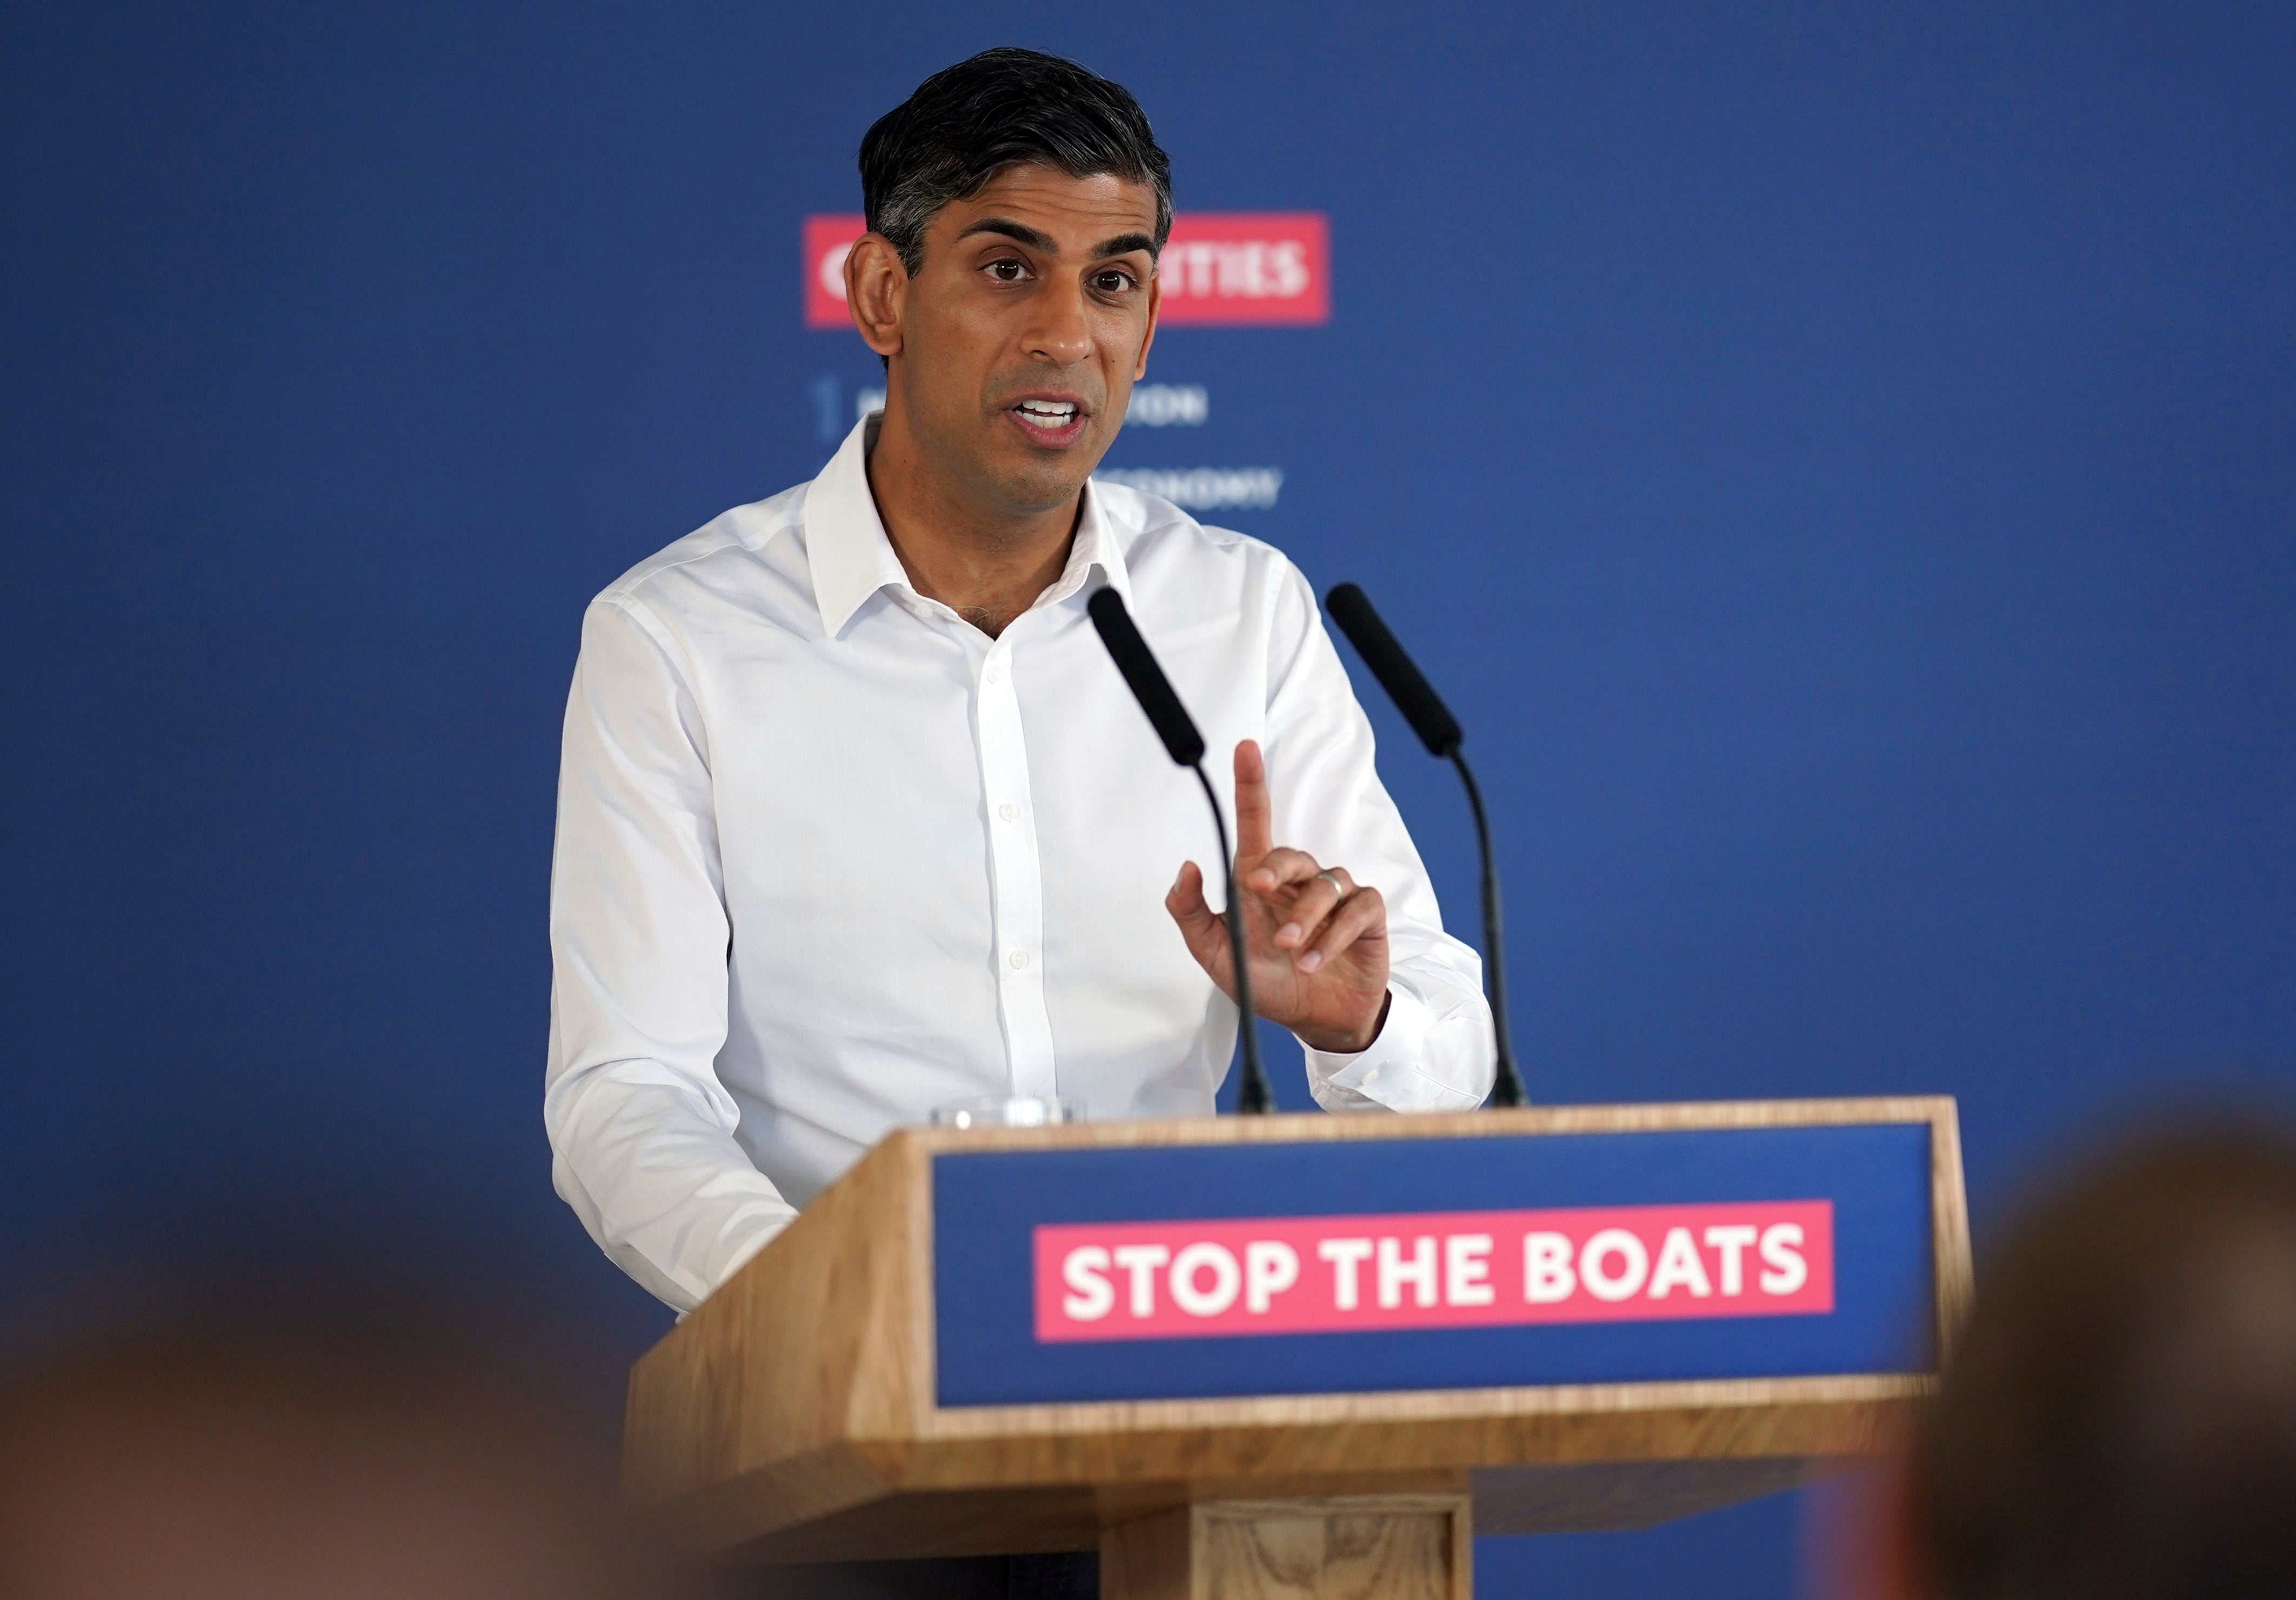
x: 1423, y: 1061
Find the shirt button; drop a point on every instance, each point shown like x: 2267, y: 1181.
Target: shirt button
x: 995, y: 672
x: 1009, y: 811
x: 1019, y: 958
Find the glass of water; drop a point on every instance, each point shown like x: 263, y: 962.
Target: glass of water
x: 1008, y: 1110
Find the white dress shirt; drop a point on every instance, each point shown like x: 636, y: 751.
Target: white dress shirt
x: 829, y: 857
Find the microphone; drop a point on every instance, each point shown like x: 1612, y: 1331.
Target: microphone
x: 1186, y: 745
x: 1440, y: 733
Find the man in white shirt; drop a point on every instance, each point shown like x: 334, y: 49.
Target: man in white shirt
x: 857, y: 818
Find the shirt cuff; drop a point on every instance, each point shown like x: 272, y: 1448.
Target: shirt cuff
x: 1392, y: 1071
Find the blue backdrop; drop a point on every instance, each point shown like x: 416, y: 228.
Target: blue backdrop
x: 1837, y: 461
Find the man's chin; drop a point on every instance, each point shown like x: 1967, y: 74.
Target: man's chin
x: 1034, y: 487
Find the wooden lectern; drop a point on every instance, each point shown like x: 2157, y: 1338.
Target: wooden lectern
x: 1310, y: 1355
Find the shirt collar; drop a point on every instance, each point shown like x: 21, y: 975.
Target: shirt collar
x: 851, y: 559
x: 845, y: 542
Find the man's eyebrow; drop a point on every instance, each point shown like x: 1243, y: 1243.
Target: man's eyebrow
x: 1124, y: 245
x: 1020, y: 232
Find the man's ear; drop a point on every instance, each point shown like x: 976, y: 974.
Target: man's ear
x: 876, y: 293
x: 1155, y: 302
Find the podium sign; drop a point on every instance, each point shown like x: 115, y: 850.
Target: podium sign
x: 1311, y: 1340
x: 1188, y: 1273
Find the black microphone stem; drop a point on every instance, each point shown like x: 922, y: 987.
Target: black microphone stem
x: 1251, y: 1097
x: 1173, y: 725
x: 1507, y: 1089
x: 1440, y: 732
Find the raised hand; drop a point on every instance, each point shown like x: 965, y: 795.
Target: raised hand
x: 1318, y: 943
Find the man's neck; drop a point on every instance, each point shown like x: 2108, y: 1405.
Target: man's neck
x: 988, y: 564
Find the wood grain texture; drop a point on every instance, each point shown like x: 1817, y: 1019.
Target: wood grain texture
x: 1315, y: 1126
x: 810, y: 1346
x: 1956, y: 1277
x: 1010, y: 1496
x: 1454, y: 1415
x: 1350, y: 1547
x: 791, y: 1417
x: 1150, y: 1557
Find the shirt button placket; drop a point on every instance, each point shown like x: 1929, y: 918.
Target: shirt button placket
x: 1015, y: 868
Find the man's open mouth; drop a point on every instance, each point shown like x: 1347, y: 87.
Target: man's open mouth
x: 1048, y: 416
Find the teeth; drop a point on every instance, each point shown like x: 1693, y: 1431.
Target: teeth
x: 1047, y: 413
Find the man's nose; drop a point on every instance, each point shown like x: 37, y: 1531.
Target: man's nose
x: 1061, y: 333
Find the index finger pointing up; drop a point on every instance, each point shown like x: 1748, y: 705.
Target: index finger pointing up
x: 1255, y: 834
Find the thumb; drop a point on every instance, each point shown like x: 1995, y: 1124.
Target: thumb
x: 1203, y: 928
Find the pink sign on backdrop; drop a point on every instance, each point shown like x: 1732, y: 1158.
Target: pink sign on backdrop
x: 1434, y: 1269
x: 1245, y: 269
x: 1233, y: 268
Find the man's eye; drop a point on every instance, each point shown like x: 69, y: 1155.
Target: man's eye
x: 1111, y: 282
x: 1008, y: 271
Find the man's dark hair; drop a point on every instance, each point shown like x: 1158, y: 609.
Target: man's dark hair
x: 2119, y: 1421
x: 969, y: 122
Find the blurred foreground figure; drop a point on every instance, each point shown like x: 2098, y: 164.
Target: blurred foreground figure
x: 2119, y: 1420
x: 254, y: 1465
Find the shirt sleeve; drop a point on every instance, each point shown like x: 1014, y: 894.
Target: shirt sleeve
x: 641, y: 1130
x: 1434, y: 1052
